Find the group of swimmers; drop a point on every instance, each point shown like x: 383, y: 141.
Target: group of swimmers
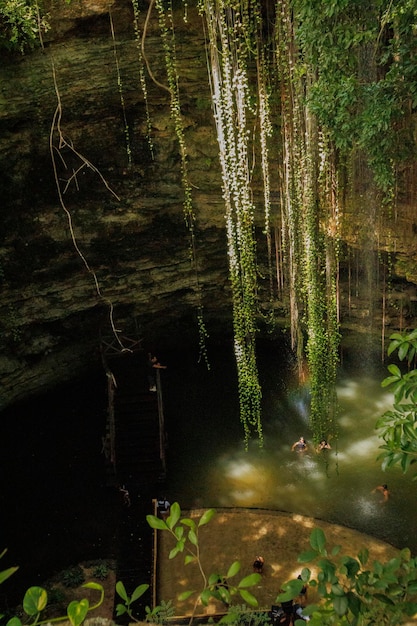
x: 301, y: 445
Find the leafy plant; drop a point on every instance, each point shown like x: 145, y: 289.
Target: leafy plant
x: 398, y: 427
x: 101, y: 571
x: 35, y: 602
x: 73, y: 577
x: 125, y: 608
x: 219, y: 586
x: 353, y: 591
x: 244, y: 616
x: 161, y: 613
x: 21, y: 24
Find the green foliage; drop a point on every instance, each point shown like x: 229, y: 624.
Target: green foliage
x: 161, y: 613
x: 6, y: 573
x: 398, y: 427
x: 231, y: 30
x: 73, y: 577
x: 362, y: 108
x: 352, y: 591
x: 35, y: 603
x: 241, y: 615
x: 21, y: 24
x: 125, y: 608
x: 101, y: 571
x: 217, y: 585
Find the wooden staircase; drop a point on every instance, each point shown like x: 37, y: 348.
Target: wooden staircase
x: 136, y: 456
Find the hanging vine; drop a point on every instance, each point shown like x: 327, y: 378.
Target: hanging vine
x: 229, y: 32
x: 309, y: 205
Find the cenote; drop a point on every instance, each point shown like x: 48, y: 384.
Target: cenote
x: 59, y: 510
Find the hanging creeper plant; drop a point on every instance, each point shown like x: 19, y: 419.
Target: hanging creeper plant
x: 310, y: 208
x: 166, y: 26
x: 228, y: 33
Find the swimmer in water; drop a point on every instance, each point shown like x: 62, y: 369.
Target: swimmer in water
x: 323, y: 445
x: 300, y: 445
x: 384, y: 490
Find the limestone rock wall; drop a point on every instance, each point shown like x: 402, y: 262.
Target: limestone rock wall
x: 93, y: 235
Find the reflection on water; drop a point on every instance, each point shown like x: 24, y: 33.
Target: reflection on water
x: 335, y: 485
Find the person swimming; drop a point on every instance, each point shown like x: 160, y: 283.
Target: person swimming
x: 384, y: 490
x: 323, y: 445
x: 300, y: 445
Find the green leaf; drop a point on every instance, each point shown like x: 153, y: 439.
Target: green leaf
x: 206, y: 517
x: 189, y: 559
x: 249, y: 581
x: 189, y: 522
x: 192, y: 537
x: 5, y: 574
x: 248, y: 597
x: 394, y: 370
x: 174, y: 515
x: 308, y: 555
x: 35, y: 600
x: 14, y: 621
x: 233, y: 569
x: 156, y: 522
x: 138, y: 592
x: 174, y: 552
x: 185, y: 595
x: 120, y: 609
x: 318, y: 540
x: 77, y: 611
x: 97, y: 587
x: 341, y: 605
x: 205, y: 596
x: 121, y: 591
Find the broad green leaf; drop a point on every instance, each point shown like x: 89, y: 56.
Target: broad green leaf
x: 233, y: 569
x: 394, y: 370
x: 248, y: 597
x: 174, y: 515
x: 224, y: 594
x: 284, y: 597
x: 402, y: 351
x: 156, y: 522
x: 192, y: 537
x: 337, y: 590
x: 318, y: 540
x: 189, y: 522
x: 121, y: 591
x: 185, y: 595
x: 205, y: 596
x: 354, y: 603
x: 206, y: 517
x: 35, y: 600
x: 174, y: 552
x: 14, y: 621
x: 249, y: 581
x: 308, y: 555
x: 139, y: 591
x: 77, y: 611
x: 179, y: 532
x: 5, y: 574
x: 341, y: 605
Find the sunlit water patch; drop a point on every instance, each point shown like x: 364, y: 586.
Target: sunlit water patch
x: 335, y: 485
